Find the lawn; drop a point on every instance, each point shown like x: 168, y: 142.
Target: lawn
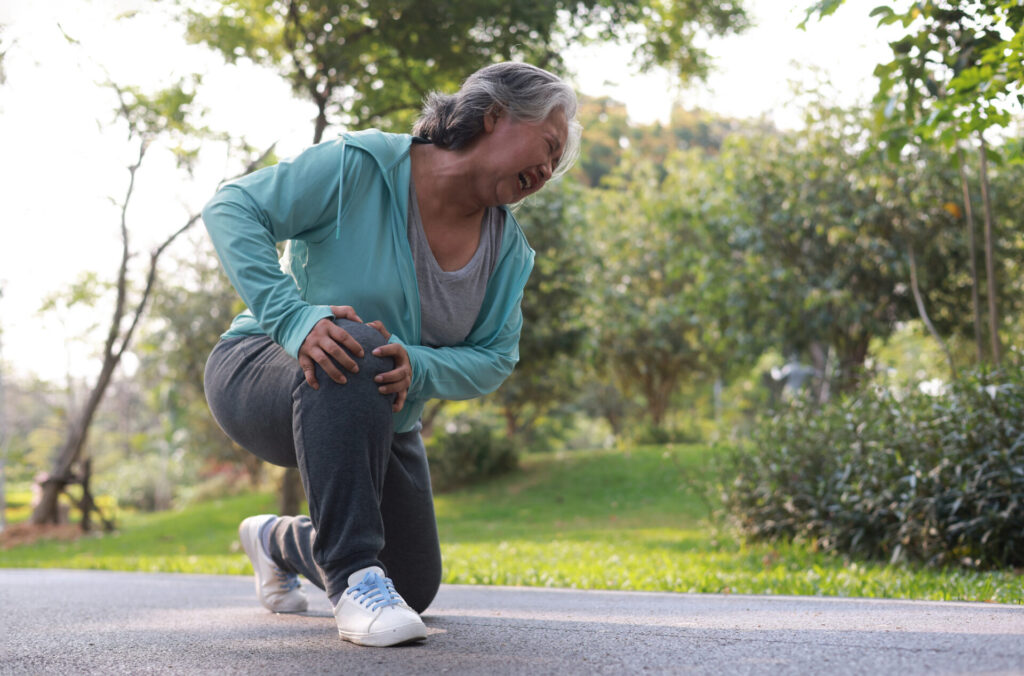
x: 599, y: 520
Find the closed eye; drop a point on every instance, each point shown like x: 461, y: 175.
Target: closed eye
x: 553, y: 148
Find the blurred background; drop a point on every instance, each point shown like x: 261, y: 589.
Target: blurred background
x: 784, y: 279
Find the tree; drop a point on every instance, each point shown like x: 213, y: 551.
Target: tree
x: 553, y: 328
x: 823, y: 268
x: 607, y: 134
x: 610, y: 135
x: 149, y: 118
x: 954, y: 75
x: 372, y: 63
x: 651, y: 244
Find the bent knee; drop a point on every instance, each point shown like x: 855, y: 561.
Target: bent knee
x: 420, y: 597
x: 367, y: 336
x: 370, y: 365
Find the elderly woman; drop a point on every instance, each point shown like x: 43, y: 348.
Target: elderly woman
x: 401, y: 281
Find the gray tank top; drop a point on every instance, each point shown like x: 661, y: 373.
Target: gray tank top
x: 450, y: 300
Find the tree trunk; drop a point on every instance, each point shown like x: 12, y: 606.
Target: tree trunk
x: 971, y: 246
x: 852, y: 353
x: 61, y: 475
x: 658, y: 392
x: 291, y: 493
x: 511, y: 416
x: 990, y: 268
x: 819, y: 359
x: 429, y: 417
x: 321, y: 120
x: 922, y: 311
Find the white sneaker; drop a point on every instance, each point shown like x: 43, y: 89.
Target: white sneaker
x: 371, y: 612
x: 278, y: 591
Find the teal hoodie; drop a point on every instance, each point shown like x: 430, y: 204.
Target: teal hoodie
x: 342, y: 207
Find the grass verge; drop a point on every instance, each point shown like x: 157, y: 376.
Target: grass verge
x: 603, y: 520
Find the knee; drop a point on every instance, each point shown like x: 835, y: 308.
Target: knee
x: 369, y: 364
x: 420, y: 596
x: 367, y: 336
x: 369, y: 339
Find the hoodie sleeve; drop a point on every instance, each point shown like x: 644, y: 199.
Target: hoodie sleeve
x: 468, y: 370
x: 295, y: 199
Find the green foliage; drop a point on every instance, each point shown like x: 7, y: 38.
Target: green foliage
x: 656, y: 280
x: 167, y: 114
x: 956, y: 71
x: 371, y: 63
x: 822, y: 258
x: 553, y: 326
x: 609, y: 137
x: 469, y: 454
x: 937, y: 478
x: 151, y: 479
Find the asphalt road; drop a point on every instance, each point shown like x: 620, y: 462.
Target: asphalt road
x: 91, y: 622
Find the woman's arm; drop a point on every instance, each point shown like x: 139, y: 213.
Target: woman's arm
x: 295, y: 199
x: 468, y: 370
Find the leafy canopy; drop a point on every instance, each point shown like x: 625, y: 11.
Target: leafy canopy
x: 371, y: 63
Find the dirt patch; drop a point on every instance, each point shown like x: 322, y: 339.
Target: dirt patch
x: 18, y: 534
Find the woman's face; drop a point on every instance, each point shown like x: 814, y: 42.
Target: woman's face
x: 518, y: 157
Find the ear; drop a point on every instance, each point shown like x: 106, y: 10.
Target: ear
x: 491, y: 119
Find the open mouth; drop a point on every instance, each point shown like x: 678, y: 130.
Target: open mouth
x: 525, y: 182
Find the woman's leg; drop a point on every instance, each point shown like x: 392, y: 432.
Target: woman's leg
x: 368, y: 490
x: 412, y: 553
x: 339, y: 436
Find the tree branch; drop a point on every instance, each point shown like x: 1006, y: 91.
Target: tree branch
x: 154, y: 257
x: 150, y: 282
x: 122, y: 275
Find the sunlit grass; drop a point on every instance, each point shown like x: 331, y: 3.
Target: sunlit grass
x: 18, y: 506
x: 635, y: 521
x: 603, y: 520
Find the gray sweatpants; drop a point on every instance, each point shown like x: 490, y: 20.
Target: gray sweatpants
x: 368, y: 487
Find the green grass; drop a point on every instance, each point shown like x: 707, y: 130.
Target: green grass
x: 603, y: 520
x: 200, y: 539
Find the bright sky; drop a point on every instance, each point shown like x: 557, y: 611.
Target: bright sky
x: 63, y: 161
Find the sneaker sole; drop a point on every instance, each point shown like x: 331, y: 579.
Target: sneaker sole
x: 247, y: 538
x: 409, y: 633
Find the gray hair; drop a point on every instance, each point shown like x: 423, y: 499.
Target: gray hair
x: 525, y: 92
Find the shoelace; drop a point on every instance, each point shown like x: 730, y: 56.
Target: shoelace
x: 375, y: 592
x: 287, y: 581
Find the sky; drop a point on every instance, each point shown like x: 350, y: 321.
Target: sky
x: 63, y: 159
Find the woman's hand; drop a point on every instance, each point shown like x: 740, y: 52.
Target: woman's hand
x: 398, y: 380
x: 323, y: 345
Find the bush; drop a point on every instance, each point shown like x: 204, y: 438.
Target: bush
x: 152, y: 479
x: 469, y: 454
x: 649, y: 434
x: 938, y: 479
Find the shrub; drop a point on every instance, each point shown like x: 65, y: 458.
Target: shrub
x: 469, y: 454
x: 938, y: 479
